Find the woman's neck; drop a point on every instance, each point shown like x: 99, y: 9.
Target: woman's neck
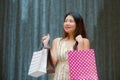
x: 70, y: 37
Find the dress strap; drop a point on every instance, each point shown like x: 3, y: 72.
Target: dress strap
x: 58, y: 43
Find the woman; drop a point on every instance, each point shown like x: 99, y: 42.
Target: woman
x: 74, y: 32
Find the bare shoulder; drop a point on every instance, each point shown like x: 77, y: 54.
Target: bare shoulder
x: 56, y: 40
x: 86, y: 43
x: 54, y: 44
x: 86, y: 40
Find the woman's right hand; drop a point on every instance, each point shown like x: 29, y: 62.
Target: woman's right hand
x: 45, y: 40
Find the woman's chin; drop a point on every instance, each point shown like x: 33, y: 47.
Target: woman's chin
x: 67, y: 31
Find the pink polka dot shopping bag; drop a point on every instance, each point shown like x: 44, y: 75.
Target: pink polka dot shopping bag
x: 82, y: 65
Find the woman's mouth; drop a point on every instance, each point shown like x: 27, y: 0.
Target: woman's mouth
x: 67, y: 27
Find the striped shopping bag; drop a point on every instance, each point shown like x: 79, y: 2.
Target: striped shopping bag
x: 38, y: 66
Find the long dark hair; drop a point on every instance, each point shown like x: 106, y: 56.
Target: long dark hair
x: 80, y: 28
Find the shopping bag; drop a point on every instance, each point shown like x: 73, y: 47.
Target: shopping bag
x: 82, y: 65
x: 50, y: 65
x: 38, y: 66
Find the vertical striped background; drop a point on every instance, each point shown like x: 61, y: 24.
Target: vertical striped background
x: 24, y: 22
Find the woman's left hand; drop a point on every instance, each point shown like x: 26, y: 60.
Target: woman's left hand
x: 79, y: 39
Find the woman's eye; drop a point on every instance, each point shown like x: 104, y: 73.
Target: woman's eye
x: 71, y: 20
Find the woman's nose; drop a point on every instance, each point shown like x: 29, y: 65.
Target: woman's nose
x: 67, y: 23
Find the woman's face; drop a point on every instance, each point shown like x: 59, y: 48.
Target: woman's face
x: 69, y: 24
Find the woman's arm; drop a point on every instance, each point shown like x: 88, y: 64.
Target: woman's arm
x: 86, y: 43
x: 83, y: 43
x: 54, y: 51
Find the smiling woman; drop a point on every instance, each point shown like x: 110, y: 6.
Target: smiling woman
x: 69, y: 24
x: 24, y: 22
x: 74, y: 32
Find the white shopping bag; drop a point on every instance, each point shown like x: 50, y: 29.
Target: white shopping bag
x: 38, y: 63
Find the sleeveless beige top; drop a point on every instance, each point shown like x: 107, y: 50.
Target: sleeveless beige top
x: 62, y: 67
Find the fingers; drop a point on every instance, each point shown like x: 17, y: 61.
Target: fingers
x: 45, y: 37
x: 48, y: 36
x: 78, y: 37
